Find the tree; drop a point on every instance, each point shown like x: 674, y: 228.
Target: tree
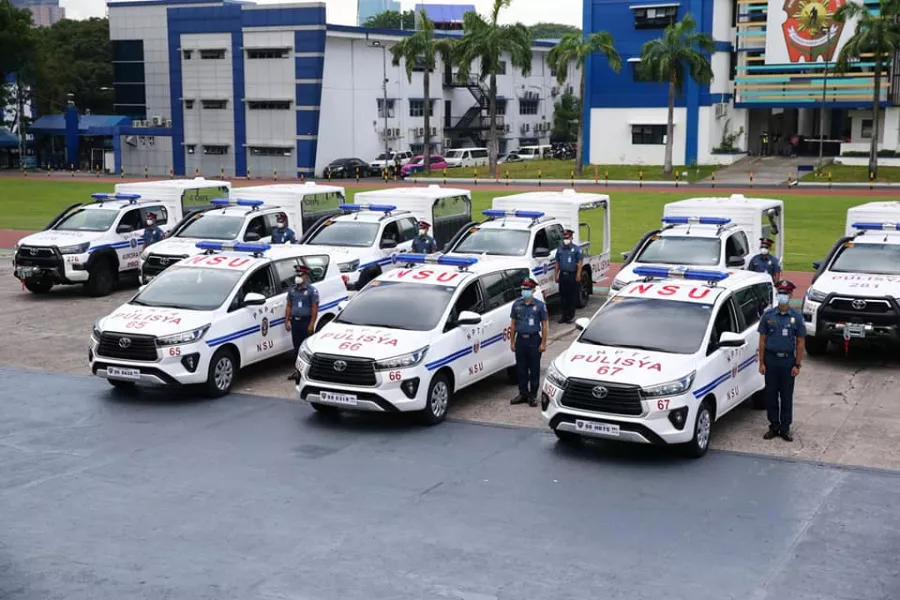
x: 566, y: 118
x: 681, y: 52
x: 878, y: 35
x: 421, y: 50
x: 551, y: 31
x: 575, y: 48
x: 486, y: 41
x: 18, y: 41
x: 392, y: 19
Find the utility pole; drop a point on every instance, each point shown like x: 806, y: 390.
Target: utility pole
x: 822, y: 110
x: 384, y: 100
x: 19, y: 108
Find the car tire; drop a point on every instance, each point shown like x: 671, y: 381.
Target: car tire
x: 100, y: 279
x: 221, y: 373
x: 585, y: 290
x: 567, y: 437
x: 121, y: 385
x: 38, y: 287
x: 703, y: 426
x: 437, y: 401
x: 325, y: 410
x: 816, y: 346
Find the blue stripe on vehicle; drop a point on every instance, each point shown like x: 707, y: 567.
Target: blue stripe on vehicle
x: 448, y: 359
x: 702, y: 391
x: 492, y: 340
x: 230, y: 337
x: 331, y: 304
x: 375, y: 263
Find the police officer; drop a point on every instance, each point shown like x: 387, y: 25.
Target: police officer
x: 764, y: 262
x: 782, y: 335
x: 424, y: 243
x: 283, y: 234
x: 152, y: 233
x: 302, y: 310
x: 528, y: 339
x: 568, y: 275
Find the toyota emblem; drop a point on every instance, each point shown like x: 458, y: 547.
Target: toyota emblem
x: 340, y: 365
x: 32, y: 251
x: 599, y: 392
x: 859, y: 304
x: 124, y: 342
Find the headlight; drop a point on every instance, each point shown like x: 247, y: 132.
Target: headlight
x: 671, y: 388
x: 401, y: 362
x: 555, y: 377
x: 145, y: 254
x: 349, y: 267
x: 304, y: 355
x: 96, y: 332
x: 186, y: 337
x: 75, y: 249
x: 815, y: 295
x: 617, y: 285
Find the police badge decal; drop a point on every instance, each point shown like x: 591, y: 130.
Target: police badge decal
x: 264, y: 327
x: 810, y: 31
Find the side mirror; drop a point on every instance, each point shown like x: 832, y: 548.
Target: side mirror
x: 731, y: 340
x: 817, y: 264
x: 626, y: 255
x: 582, y: 323
x: 541, y: 252
x: 735, y: 261
x: 124, y: 229
x: 467, y: 317
x: 141, y: 289
x: 252, y: 236
x: 342, y: 305
x: 253, y: 299
x: 389, y: 243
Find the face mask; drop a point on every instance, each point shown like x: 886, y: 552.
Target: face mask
x: 423, y: 232
x: 783, y: 298
x: 567, y: 242
x: 763, y: 251
x: 149, y: 223
x: 527, y: 293
x: 282, y: 225
x: 298, y: 280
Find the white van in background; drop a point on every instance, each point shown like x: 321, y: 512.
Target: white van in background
x: 466, y: 157
x: 534, y: 152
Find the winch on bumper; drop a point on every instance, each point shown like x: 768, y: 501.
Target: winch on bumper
x: 844, y: 317
x: 47, y: 264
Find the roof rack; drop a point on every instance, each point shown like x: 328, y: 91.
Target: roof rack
x: 681, y: 272
x: 248, y: 247
x: 435, y: 259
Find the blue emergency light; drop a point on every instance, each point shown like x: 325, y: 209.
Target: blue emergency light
x: 887, y: 226
x: 524, y: 214
x: 220, y: 202
x: 234, y: 246
x: 253, y: 203
x: 680, y: 273
x: 697, y: 220
x: 129, y: 197
x: 435, y: 259
x: 376, y: 207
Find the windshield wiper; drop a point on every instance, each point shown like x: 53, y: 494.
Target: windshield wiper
x: 635, y: 347
x: 138, y: 302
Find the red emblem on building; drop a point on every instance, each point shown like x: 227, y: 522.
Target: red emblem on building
x: 810, y: 31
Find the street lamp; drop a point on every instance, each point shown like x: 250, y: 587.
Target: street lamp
x: 384, y: 106
x: 824, y: 92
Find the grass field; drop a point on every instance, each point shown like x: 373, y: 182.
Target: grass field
x: 562, y: 169
x: 813, y: 222
x: 854, y: 174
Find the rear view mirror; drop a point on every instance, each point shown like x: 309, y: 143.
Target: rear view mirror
x: 735, y: 261
x: 730, y: 340
x: 342, y: 305
x: 626, y: 255
x: 817, y: 264
x: 582, y: 323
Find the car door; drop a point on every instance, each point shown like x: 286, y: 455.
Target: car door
x: 257, y: 225
x: 495, y: 319
x: 545, y: 264
x: 130, y: 233
x: 466, y: 339
x: 736, y: 247
x: 751, y: 304
x: 263, y: 325
x: 723, y: 364
x: 391, y: 231
x: 409, y: 229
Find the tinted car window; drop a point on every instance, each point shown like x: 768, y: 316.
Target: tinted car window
x: 397, y: 305
x: 257, y: 225
x: 162, y: 215
x: 213, y: 227
x: 501, y: 242
x: 189, y: 288
x: 495, y: 288
x: 132, y: 218
x: 409, y: 229
x: 88, y: 220
x: 672, y: 250
x: 515, y: 279
x: 748, y: 305
x: 345, y: 233
x: 877, y: 259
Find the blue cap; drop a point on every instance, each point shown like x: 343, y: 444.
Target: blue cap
x: 680, y: 273
x: 887, y: 226
x: 375, y: 207
x: 436, y: 259
x: 220, y: 202
x: 234, y: 246
x: 243, y: 202
x: 524, y: 214
x: 699, y: 220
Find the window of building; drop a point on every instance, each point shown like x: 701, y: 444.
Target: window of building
x: 502, y: 68
x: 390, y: 109
x: 212, y: 54
x: 655, y: 17
x: 261, y: 53
x: 187, y: 54
x: 865, y: 131
x: 732, y: 65
x: 215, y: 150
x: 637, y: 72
x: 501, y: 106
x: 417, y: 108
x: 191, y: 148
x: 267, y: 151
x: 214, y: 104
x: 528, y: 106
x: 189, y: 104
x: 648, y: 134
x: 269, y: 104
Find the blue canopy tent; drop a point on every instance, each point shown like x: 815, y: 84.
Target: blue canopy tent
x: 72, y: 125
x: 7, y: 140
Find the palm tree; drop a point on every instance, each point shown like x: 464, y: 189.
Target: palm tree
x: 878, y: 35
x: 421, y: 50
x: 573, y: 47
x: 487, y: 41
x: 681, y: 51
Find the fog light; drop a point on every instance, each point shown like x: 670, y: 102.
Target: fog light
x: 78, y: 267
x: 410, y: 387
x: 545, y: 401
x: 190, y: 361
x: 678, y: 417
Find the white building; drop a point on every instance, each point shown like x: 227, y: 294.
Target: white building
x: 231, y: 87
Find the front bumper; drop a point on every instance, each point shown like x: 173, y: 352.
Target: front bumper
x: 48, y: 265
x: 390, y: 394
x: 824, y: 320
x: 169, y: 369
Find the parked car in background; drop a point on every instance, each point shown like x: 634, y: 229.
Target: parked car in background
x: 417, y: 165
x: 343, y: 168
x: 512, y: 157
x: 466, y: 157
x: 383, y: 161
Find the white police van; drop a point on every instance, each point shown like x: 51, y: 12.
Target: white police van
x: 210, y: 315
x: 382, y: 222
x: 662, y: 360
x: 531, y: 226
x: 413, y: 337
x: 251, y: 217
x: 855, y: 293
x: 710, y: 233
x: 100, y: 242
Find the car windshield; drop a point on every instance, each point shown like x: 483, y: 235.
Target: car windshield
x: 189, y: 288
x: 502, y: 242
x: 877, y: 259
x: 345, y: 233
x: 649, y: 324
x: 681, y: 250
x: 213, y: 227
x: 397, y: 305
x: 88, y: 220
x: 383, y: 156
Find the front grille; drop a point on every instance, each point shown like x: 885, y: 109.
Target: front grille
x: 877, y: 311
x: 156, y: 263
x: 619, y: 399
x: 37, y: 256
x: 138, y: 347
x: 357, y: 372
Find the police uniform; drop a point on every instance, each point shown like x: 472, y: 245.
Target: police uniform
x: 765, y: 263
x: 781, y: 328
x: 528, y: 317
x: 568, y: 258
x: 424, y: 243
x: 152, y: 233
x: 284, y: 235
x: 303, y: 303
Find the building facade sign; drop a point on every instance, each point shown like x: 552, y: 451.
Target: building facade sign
x: 804, y: 31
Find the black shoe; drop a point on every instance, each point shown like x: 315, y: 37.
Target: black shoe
x: 786, y: 436
x: 532, y: 401
x: 771, y: 433
x: 520, y: 399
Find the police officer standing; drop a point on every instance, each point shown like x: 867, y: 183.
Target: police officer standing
x: 528, y: 339
x: 568, y: 275
x: 782, y: 336
x: 424, y: 243
x: 152, y: 233
x: 283, y: 234
x: 764, y: 262
x: 302, y: 310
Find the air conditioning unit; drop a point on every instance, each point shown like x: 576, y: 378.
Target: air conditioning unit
x: 157, y: 121
x: 434, y: 131
x: 140, y: 123
x: 508, y: 127
x: 169, y: 123
x: 721, y: 110
x: 570, y: 89
x: 447, y: 143
x: 554, y: 92
x: 527, y: 126
x: 396, y: 132
x: 420, y: 131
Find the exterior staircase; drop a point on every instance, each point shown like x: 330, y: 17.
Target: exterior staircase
x: 766, y: 170
x: 475, y: 122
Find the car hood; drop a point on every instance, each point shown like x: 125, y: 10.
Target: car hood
x: 176, y: 247
x: 147, y: 320
x: 59, y: 238
x: 623, y: 365
x: 858, y: 284
x: 366, y: 342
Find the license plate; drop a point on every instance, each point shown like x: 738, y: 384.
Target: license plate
x: 345, y: 399
x: 120, y: 373
x: 26, y: 271
x: 594, y: 427
x: 855, y: 330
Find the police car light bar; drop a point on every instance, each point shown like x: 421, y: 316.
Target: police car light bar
x: 435, y: 259
x: 234, y: 246
x: 887, y: 226
x: 375, y: 207
x: 524, y: 214
x: 254, y: 203
x: 680, y: 273
x: 129, y: 197
x: 698, y: 220
x: 220, y: 202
